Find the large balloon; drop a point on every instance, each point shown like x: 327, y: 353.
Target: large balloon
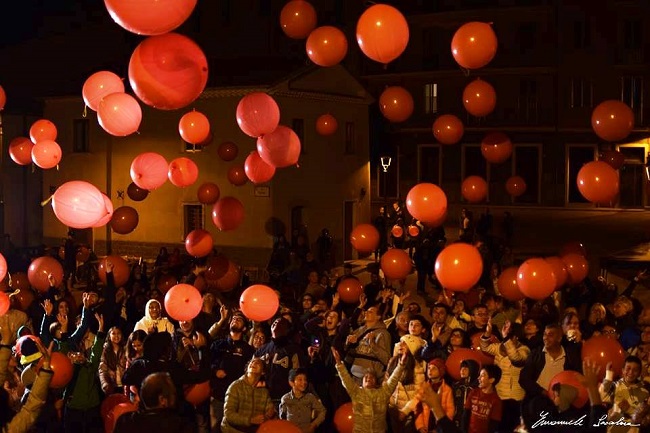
x: 121, y: 270
x: 99, y: 85
x: 257, y: 114
x: 61, y: 365
x: 228, y: 151
x: 396, y: 104
x: 536, y: 279
x: 183, y: 302
x: 136, y: 193
x: 327, y: 46
x: 150, y: 17
x: 559, y: 270
x: 168, y: 71
x: 459, y: 267
x: 298, y: 19
x: 474, y: 45
x: 326, y: 124
x: 110, y: 402
x: 479, y: 98
x: 278, y: 426
x: 459, y: 355
x: 575, y: 379
x: 194, y: 127
x: 448, y: 129
x: 396, y: 264
x: 208, y: 193
x: 166, y: 282
x: 5, y: 303
x: 349, y: 289
x: 365, y: 238
x: 280, y: 148
x: 78, y: 204
x: 125, y: 219
x: 598, y: 182
x: 427, y: 203
x: 257, y: 170
x: 42, y: 129
x: 507, y: 284
x: 237, y: 175
x: 3, y: 98
x: 573, y: 247
x: 577, y: 267
x: 612, y: 120
x: 119, y: 114
x: 182, y: 172
x: 40, y: 269
x: 474, y: 189
x: 614, y: 158
x: 259, y: 302
x: 382, y: 33
x: 149, y: 170
x: 344, y: 418
x: 496, y: 147
x: 198, y: 393
x: 199, y: 243
x: 603, y: 349
x: 20, y: 150
x: 115, y: 414
x: 3, y: 267
x: 46, y: 154
x: 222, y: 274
x: 227, y: 213
x: 515, y: 186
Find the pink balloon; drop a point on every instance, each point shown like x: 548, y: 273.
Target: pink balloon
x: 183, y: 302
x: 227, y: 213
x: 280, y: 148
x: 168, y: 71
x: 42, y: 129
x: 257, y: 170
x: 78, y: 204
x: 149, y: 170
x: 99, y: 85
x: 257, y: 114
x: 46, y: 154
x: 20, y: 150
x: 109, y: 213
x: 119, y: 114
x: 182, y: 172
x: 150, y: 17
x: 3, y: 268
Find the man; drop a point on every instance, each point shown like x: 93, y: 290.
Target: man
x: 480, y: 317
x: 369, y: 347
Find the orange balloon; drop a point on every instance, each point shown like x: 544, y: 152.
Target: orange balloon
x: 536, y: 279
x: 278, y: 425
x: 194, y: 127
x: 198, y: 243
x: 427, y: 203
x: 507, y: 284
x: 414, y: 231
x: 237, y: 175
x: 298, y: 19
x: 382, y: 33
x: 150, y: 17
x: 110, y: 402
x: 326, y: 124
x: 182, y: 172
x: 459, y: 267
x: 496, y: 147
x: 227, y: 151
x: 121, y: 270
x: 327, y: 46
x: 257, y: 170
x: 41, y: 130
x: 396, y: 104
x: 208, y: 193
x: 3, y: 98
x: 115, y: 414
x: 24, y: 299
x: 46, y: 154
x: 474, y: 45
x: 474, y: 189
x: 479, y: 98
x: 280, y: 148
x: 183, y: 302
x: 396, y: 264
x: 612, y: 120
x: 222, y: 274
x: 516, y: 186
x: 397, y: 231
x: 20, y: 150
x: 602, y: 349
x: 39, y: 271
x: 61, y: 365
x: 575, y: 379
x: 475, y: 340
x: 227, y: 213
x: 573, y: 247
x: 577, y: 267
x: 364, y: 238
x: 344, y: 418
x: 259, y: 302
x: 613, y: 158
x: 559, y: 270
x: 598, y: 182
x: 459, y: 355
x: 448, y: 129
x: 349, y: 289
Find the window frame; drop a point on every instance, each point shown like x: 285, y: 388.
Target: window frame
x: 186, y: 227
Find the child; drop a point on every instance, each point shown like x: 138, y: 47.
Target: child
x: 469, y: 370
x: 483, y: 407
x: 435, y: 377
x: 300, y: 407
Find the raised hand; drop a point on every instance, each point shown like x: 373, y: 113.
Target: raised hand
x: 48, y: 307
x: 100, y: 320
x: 488, y: 328
x: 336, y: 355
x: 51, y: 280
x: 505, y: 330
x: 363, y: 300
x: 109, y: 266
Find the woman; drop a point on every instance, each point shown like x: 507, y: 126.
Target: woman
x: 135, y: 346
x: 153, y: 320
x: 457, y: 339
x: 258, y: 338
x: 113, y: 362
x: 596, y: 318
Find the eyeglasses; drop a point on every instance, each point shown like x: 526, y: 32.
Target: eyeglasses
x: 609, y: 332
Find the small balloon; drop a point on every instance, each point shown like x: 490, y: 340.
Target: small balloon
x: 208, y: 193
x: 396, y: 104
x: 479, y: 98
x: 125, y: 219
x: 136, y: 193
x: 228, y: 151
x: 448, y: 129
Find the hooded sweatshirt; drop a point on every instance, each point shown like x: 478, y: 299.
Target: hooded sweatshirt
x: 161, y: 324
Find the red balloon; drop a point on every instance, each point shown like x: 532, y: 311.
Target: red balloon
x: 182, y: 172
x: 166, y: 282
x: 382, y: 33
x: 536, y: 279
x: 136, y: 193
x: 602, y: 349
x: 326, y: 125
x: 228, y: 151
x: 119, y: 114
x: 194, y: 127
x: 23, y: 300
x: 208, y: 193
x: 479, y: 98
x: 414, y: 231
x: 516, y: 186
x: 448, y: 129
x: 227, y: 213
x: 99, y: 85
x: 612, y: 120
x: 573, y: 247
x: 19, y: 281
x: 349, y: 290
x: 598, y: 182
x: 125, y: 219
x: 257, y: 114
x: 83, y: 254
x: 474, y: 45
x: 427, y: 203
x: 183, y: 302
x: 150, y: 17
x: 396, y: 264
x: 199, y: 243
x: 109, y: 213
x: 168, y: 71
x: 613, y: 158
x: 46, y: 154
x: 344, y: 418
x: 115, y: 414
x: 459, y: 267
x: 78, y: 204
x: 198, y: 393
x: 474, y: 189
x: 280, y: 148
x: 5, y: 303
x: 20, y: 150
x: 3, y: 98
x: 110, y: 402
x: 577, y: 267
x: 327, y: 46
x: 222, y: 274
x: 575, y: 379
x: 396, y: 104
x: 40, y: 269
x: 121, y: 270
x: 559, y: 270
x: 237, y: 175
x: 259, y: 302
x: 496, y: 147
x: 298, y: 19
x: 61, y: 365
x: 507, y: 284
x: 364, y: 238
x: 459, y: 355
x: 3, y: 267
x: 41, y: 130
x: 278, y: 425
x: 397, y: 231
x: 149, y: 170
x: 256, y: 169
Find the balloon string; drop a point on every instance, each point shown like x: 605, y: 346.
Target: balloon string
x: 46, y: 201
x: 466, y: 72
x: 57, y: 167
x: 15, y: 292
x: 85, y: 113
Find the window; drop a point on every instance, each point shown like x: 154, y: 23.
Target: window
x: 431, y: 98
x: 581, y: 33
x: 528, y: 106
x: 577, y: 156
x: 527, y: 37
x: 298, y: 126
x: 80, y: 139
x: 430, y: 38
x: 527, y: 165
x: 192, y: 218
x: 632, y: 95
x: 429, y: 162
x: 350, y: 139
x: 632, y: 34
x: 581, y: 93
x: 191, y: 148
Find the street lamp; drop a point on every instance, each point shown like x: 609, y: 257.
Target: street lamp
x: 385, y: 163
